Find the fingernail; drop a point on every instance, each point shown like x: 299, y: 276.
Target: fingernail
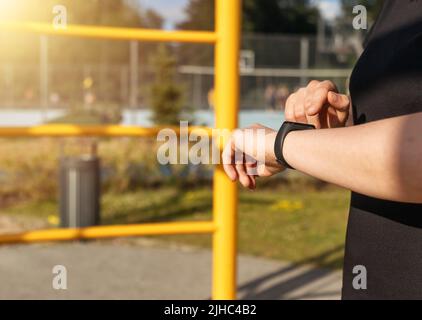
x: 334, y: 97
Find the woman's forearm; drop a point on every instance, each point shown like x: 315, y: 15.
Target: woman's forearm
x: 382, y: 159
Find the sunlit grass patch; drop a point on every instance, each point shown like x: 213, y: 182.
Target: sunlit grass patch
x: 302, y: 225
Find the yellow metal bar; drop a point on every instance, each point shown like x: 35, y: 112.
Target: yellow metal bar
x: 226, y: 38
x: 102, y: 232
x: 112, y: 33
x: 69, y: 130
x: 225, y: 192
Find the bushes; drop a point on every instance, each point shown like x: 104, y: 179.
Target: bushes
x: 29, y: 167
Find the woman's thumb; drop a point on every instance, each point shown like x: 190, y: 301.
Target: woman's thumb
x: 341, y: 102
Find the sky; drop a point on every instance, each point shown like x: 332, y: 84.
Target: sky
x: 173, y: 10
x: 329, y: 8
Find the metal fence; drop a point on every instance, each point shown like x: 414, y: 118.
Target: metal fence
x: 277, y: 63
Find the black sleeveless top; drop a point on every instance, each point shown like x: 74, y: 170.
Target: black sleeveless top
x: 385, y: 236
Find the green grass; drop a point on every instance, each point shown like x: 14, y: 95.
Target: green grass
x: 279, y: 223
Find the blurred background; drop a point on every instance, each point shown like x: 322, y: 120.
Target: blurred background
x: 50, y: 79
x: 284, y: 44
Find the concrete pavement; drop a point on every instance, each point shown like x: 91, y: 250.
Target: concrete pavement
x: 118, y: 270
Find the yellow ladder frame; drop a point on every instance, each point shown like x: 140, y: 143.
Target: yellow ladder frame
x: 223, y: 227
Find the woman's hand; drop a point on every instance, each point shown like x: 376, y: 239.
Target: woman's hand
x: 250, y: 154
x: 319, y: 104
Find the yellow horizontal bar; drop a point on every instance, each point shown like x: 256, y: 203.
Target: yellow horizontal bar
x: 102, y: 232
x: 112, y: 33
x: 69, y: 130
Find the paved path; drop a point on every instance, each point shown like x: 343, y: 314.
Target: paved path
x: 114, y: 270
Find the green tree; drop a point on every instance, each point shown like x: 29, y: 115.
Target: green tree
x: 259, y: 16
x: 166, y: 94
x: 23, y: 48
x: 67, y: 55
x: 199, y: 15
x: 280, y: 16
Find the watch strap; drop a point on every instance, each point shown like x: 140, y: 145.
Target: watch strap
x: 285, y: 129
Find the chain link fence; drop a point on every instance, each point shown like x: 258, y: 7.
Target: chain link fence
x: 272, y: 67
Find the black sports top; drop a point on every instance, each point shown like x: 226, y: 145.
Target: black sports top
x: 384, y: 236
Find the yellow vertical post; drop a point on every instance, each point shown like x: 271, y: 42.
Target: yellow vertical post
x: 225, y: 192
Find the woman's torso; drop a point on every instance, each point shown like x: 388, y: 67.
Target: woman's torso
x: 384, y: 236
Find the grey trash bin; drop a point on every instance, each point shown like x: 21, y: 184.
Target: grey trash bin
x: 79, y: 191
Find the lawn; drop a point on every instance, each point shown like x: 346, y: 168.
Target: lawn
x: 287, y: 223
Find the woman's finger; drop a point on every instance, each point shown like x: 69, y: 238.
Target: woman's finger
x: 253, y: 182
x: 340, y: 102
x: 251, y: 171
x: 300, y: 113
x: 319, y: 97
x: 243, y: 177
x: 228, y: 156
x: 251, y: 166
x: 289, y: 111
x: 318, y: 100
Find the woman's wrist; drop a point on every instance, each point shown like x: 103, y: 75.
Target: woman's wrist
x: 290, y: 147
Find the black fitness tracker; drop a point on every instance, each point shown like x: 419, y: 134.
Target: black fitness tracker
x: 285, y: 129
